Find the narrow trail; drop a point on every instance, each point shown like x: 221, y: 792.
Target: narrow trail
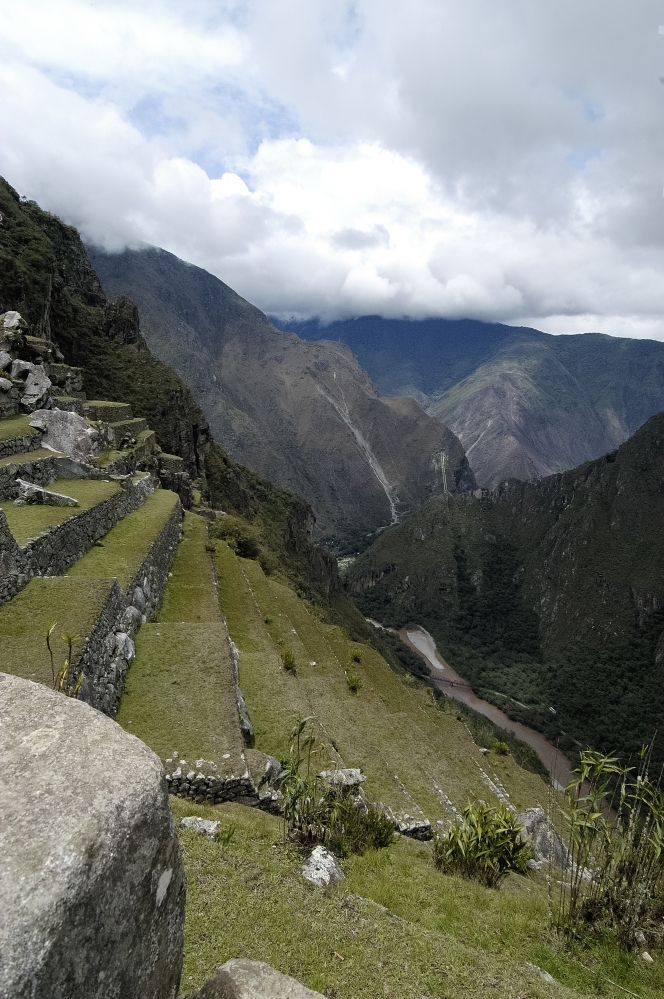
x: 455, y: 686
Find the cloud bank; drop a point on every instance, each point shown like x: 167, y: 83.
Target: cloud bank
x: 497, y: 161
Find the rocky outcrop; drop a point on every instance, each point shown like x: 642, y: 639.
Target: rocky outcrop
x: 548, y: 847
x: 241, y: 978
x: 92, y: 886
x: 67, y: 433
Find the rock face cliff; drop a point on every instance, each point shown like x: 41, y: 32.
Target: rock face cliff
x: 305, y: 415
x: 46, y: 276
x: 545, y: 594
x: 522, y: 403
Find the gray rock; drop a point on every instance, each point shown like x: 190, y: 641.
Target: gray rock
x: 322, y: 868
x: 138, y: 599
x: 29, y: 493
x: 5, y: 360
x: 272, y: 771
x: 92, y: 885
x: 67, y: 433
x: 10, y: 320
x: 37, y: 389
x: 206, y: 827
x: 344, y: 776
x: 246, y: 728
x: 5, y: 384
x: 241, y: 978
x: 20, y: 368
x: 419, y: 828
x: 547, y: 844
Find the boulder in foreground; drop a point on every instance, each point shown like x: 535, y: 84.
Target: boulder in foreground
x: 92, y: 886
x: 241, y: 978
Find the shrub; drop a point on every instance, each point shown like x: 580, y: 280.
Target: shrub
x: 501, y: 748
x: 353, y: 682
x: 238, y: 535
x: 316, y: 811
x: 288, y: 660
x: 486, y: 845
x: 356, y: 655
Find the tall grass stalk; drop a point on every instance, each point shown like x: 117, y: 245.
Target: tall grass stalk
x: 615, y: 820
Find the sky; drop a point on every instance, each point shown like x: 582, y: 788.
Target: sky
x: 457, y: 158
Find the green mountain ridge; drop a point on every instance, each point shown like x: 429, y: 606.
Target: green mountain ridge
x: 547, y: 592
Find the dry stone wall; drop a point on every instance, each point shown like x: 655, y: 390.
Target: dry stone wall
x: 53, y: 552
x: 109, y: 650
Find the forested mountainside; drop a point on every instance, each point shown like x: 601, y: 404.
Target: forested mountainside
x: 548, y: 596
x: 304, y: 415
x: 523, y: 403
x: 46, y: 276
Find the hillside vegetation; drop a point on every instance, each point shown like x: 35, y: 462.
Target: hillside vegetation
x: 544, y: 595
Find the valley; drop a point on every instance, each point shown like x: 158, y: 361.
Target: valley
x: 147, y: 572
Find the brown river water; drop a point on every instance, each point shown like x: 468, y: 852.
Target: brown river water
x: 455, y: 686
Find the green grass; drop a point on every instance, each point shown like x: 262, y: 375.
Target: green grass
x: 33, y: 519
x: 179, y: 694
x: 392, y: 729
x: 17, y: 426
x: 127, y: 544
x: 73, y: 603
x: 36, y: 455
x: 453, y: 939
x: 191, y: 594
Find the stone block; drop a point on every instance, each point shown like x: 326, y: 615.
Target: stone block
x: 241, y: 978
x: 92, y: 885
x: 67, y: 433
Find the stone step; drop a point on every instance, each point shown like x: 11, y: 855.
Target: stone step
x: 146, y: 445
x: 128, y: 428
x: 115, y: 462
x: 67, y: 379
x: 70, y: 403
x: 17, y: 436
x: 109, y: 412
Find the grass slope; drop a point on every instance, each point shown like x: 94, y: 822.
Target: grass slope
x: 180, y: 694
x: 126, y: 545
x: 72, y: 603
x: 30, y: 521
x: 438, y: 936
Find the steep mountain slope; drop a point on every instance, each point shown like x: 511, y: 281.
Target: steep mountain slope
x: 303, y: 414
x: 544, y: 594
x: 523, y: 403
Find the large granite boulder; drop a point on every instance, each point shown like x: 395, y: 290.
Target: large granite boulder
x: 241, y: 978
x: 92, y: 886
x: 67, y: 433
x: 37, y: 389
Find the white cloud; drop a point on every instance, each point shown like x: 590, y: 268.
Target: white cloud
x: 498, y: 161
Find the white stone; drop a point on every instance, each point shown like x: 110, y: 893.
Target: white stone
x: 67, y: 433
x: 322, y: 868
x: 5, y: 385
x: 646, y: 957
x: 345, y: 776
x: 5, y: 360
x: 206, y: 827
x: 37, y: 388
x: 10, y: 320
x: 20, y: 368
x: 28, y: 492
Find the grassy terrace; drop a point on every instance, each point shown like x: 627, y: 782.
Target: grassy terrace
x: 391, y: 728
x: 179, y: 693
x: 73, y: 603
x: 17, y: 426
x: 454, y: 939
x: 33, y: 519
x: 20, y: 459
x: 126, y: 545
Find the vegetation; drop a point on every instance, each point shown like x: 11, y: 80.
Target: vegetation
x: 32, y: 519
x: 316, y: 810
x: 616, y: 879
x: 486, y: 844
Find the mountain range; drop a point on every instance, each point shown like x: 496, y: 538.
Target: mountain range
x: 305, y: 415
x: 523, y: 403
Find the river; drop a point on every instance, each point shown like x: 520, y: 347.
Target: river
x: 455, y: 686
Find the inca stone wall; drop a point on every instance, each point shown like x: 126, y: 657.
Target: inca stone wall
x: 19, y: 445
x: 109, y: 650
x: 53, y: 552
